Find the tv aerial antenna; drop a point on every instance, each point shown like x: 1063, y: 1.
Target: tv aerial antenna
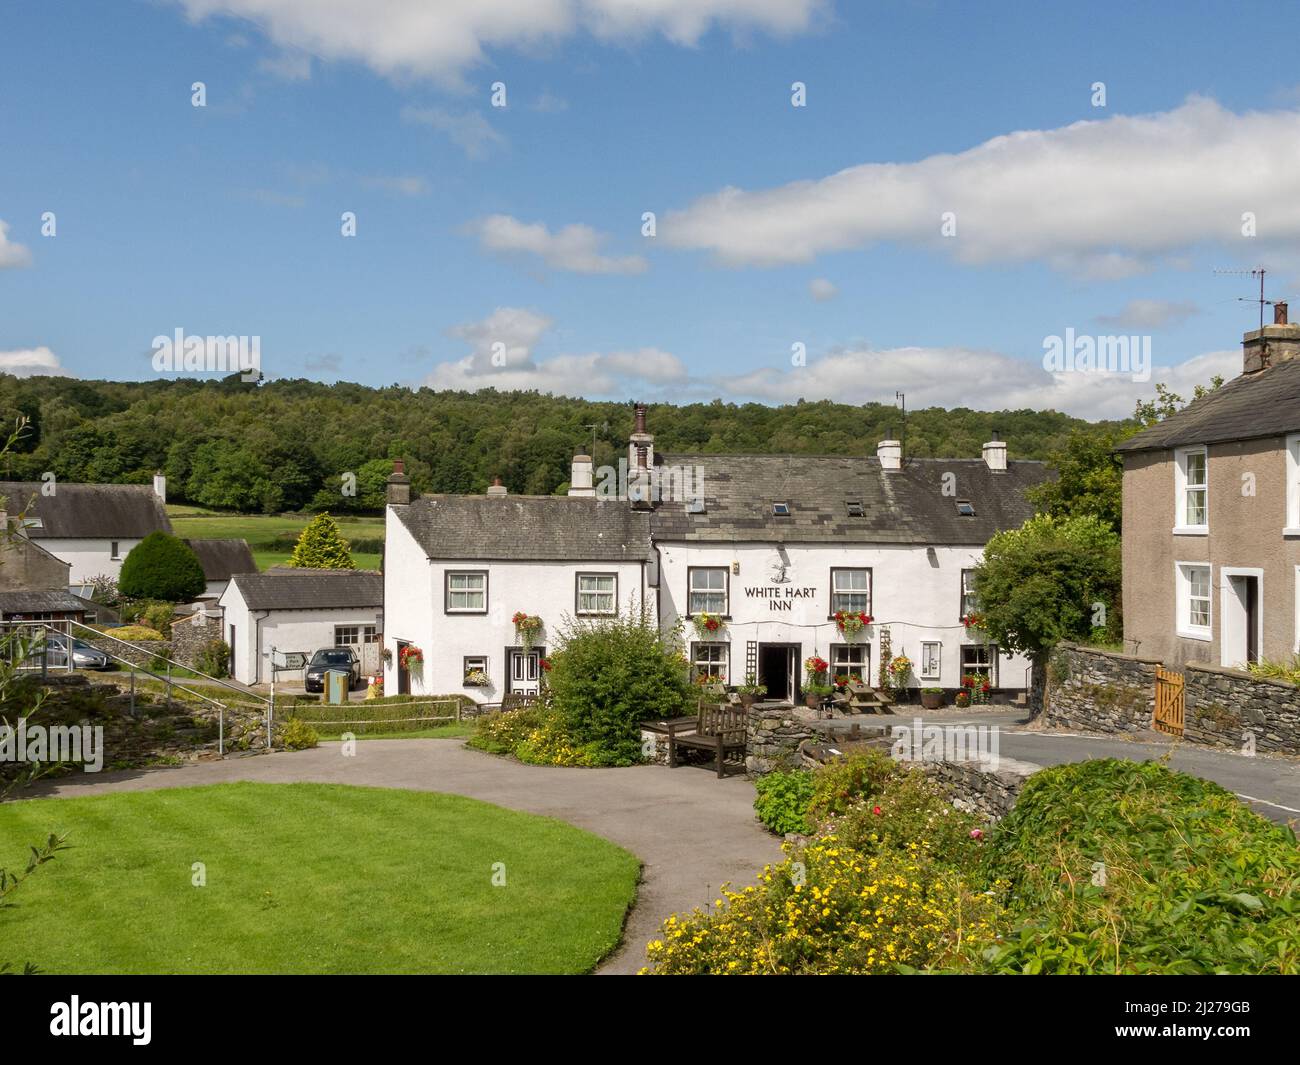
x: 1258, y: 272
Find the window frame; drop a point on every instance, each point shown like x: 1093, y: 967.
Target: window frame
x: 937, y: 672
x: 725, y: 612
x: 578, y: 593
x: 870, y: 591
x: 1291, y: 525
x: 992, y: 651
x: 864, y: 671
x: 963, y: 592
x: 1182, y: 486
x: 723, y: 661
x: 447, y: 575
x: 1183, y: 597
x: 466, y: 668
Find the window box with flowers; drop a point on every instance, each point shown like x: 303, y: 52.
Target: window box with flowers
x: 477, y: 678
x: 527, y: 629
x: 843, y: 680
x: 707, y: 626
x: 852, y: 622
x: 974, y: 621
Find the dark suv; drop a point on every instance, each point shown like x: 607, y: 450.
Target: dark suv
x: 336, y: 658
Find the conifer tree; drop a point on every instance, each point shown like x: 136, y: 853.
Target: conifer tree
x: 321, y: 546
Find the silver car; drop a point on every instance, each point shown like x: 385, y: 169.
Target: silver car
x: 84, y: 656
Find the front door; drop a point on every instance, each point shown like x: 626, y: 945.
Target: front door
x: 523, y: 670
x: 403, y: 674
x: 778, y: 670
x: 1239, y: 628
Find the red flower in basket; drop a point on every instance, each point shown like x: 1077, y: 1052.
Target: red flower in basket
x: 545, y: 663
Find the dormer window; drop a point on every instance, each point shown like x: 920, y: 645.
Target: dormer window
x: 965, y: 508
x: 855, y: 508
x: 781, y: 510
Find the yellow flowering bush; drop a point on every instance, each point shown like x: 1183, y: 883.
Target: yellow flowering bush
x: 533, y: 734
x: 830, y: 909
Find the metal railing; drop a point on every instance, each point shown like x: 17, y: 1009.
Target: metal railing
x: 37, y: 655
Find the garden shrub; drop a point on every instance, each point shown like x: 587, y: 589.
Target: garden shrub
x: 533, y: 734
x: 158, y: 616
x: 162, y: 567
x: 607, y: 677
x: 134, y: 633
x: 782, y: 802
x: 297, y: 735
x: 500, y: 732
x: 829, y: 909
x: 840, y: 784
x: 1121, y: 867
x: 213, y: 659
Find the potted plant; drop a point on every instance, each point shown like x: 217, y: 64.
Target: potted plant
x: 816, y: 668
x: 963, y: 698
x: 851, y: 622
x: 900, y: 670
x: 706, y: 625
x: 816, y: 694
x: 751, y: 691
x: 527, y: 626
x: 977, y: 687
x: 411, y: 658
x: 932, y: 698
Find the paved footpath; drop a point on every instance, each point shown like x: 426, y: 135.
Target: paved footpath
x: 691, y: 831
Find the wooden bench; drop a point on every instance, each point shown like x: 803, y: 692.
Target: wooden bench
x: 720, y: 729
x: 510, y: 701
x: 864, y: 699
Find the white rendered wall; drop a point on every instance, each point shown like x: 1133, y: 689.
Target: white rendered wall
x: 88, y: 558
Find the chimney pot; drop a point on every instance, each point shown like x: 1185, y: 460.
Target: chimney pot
x: 160, y: 486
x: 580, y: 476
x: 397, y: 491
x: 640, y: 418
x: 496, y: 488
x: 1279, y: 313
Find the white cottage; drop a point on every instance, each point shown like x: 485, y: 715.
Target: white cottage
x: 770, y: 547
x: 300, y: 611
x: 92, y: 527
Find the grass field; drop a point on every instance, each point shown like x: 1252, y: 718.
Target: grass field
x: 308, y: 878
x: 197, y: 523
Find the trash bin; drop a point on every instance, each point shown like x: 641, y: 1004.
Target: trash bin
x: 336, y: 685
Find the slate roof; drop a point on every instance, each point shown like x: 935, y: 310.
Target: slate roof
x: 310, y: 589
x: 221, y: 559
x: 41, y: 601
x: 87, y: 511
x: 906, y: 506
x: 532, y: 528
x: 1248, y: 407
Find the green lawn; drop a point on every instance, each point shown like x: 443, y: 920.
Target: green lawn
x: 308, y: 878
x: 197, y: 523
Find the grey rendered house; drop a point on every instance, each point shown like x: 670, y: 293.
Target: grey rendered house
x: 1212, y: 517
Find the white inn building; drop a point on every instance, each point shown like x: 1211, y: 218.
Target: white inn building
x: 771, y: 545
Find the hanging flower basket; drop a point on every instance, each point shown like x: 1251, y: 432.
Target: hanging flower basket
x: 411, y: 658
x: 973, y: 620
x: 900, y: 668
x: 707, y: 625
x: 851, y: 622
x: 526, y: 629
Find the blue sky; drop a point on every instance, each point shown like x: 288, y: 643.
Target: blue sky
x: 518, y: 229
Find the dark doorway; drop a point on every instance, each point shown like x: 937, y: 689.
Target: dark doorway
x: 230, y: 665
x: 778, y: 670
x: 403, y: 674
x: 1252, y: 618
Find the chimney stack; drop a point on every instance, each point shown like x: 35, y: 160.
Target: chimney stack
x: 580, y: 476
x: 398, y: 492
x: 160, y: 486
x: 496, y: 488
x: 995, y: 454
x: 890, y: 454
x: 641, y: 445
x: 1262, y: 348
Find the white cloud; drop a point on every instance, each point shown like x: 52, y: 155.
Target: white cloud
x: 289, y: 65
x: 468, y: 130
x: 12, y: 255
x: 440, y: 40
x: 502, y: 357
x: 820, y: 289
x: 1097, y: 199
x: 32, y: 362
x: 575, y: 248
x: 964, y: 377
x: 1148, y: 314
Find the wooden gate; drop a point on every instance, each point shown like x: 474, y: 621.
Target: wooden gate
x: 1169, y: 702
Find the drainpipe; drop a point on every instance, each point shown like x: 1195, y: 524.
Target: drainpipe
x: 257, y: 646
